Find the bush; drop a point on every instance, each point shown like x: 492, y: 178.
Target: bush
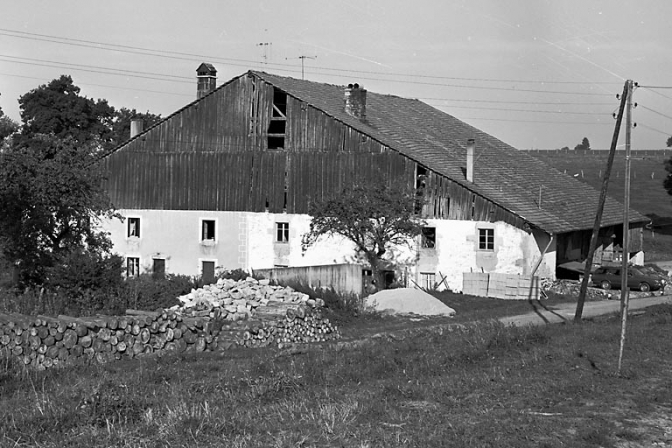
x: 79, y: 271
x: 148, y: 292
x: 343, y: 307
x: 237, y: 274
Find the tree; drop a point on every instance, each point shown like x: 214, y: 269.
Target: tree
x: 51, y: 194
x: 58, y: 109
x: 583, y: 146
x: 669, y: 142
x: 7, y: 128
x: 374, y: 217
x: 667, y: 182
x: 51, y: 202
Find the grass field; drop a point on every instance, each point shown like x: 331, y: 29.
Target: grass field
x: 647, y: 174
x: 481, y: 386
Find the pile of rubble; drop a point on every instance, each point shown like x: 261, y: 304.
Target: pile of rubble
x: 571, y: 288
x: 238, y: 300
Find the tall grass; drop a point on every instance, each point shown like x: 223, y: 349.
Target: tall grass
x: 479, y: 385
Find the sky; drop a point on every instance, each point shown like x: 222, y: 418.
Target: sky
x: 537, y: 74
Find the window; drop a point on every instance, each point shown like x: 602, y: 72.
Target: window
x: 132, y: 266
x: 277, y: 124
x: 428, y: 239
x: 159, y: 267
x: 486, y: 239
x: 420, y: 185
x: 208, y: 272
x: 208, y: 230
x: 282, y: 232
x: 134, y: 227
x: 428, y: 280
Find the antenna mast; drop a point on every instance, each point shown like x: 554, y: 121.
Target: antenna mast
x: 303, y: 58
x: 265, y: 46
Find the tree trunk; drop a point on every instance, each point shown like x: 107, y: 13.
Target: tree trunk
x: 378, y: 276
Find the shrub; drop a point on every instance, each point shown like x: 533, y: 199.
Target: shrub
x: 237, y: 274
x: 343, y: 307
x: 148, y: 292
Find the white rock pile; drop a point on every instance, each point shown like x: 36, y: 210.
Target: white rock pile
x: 239, y: 300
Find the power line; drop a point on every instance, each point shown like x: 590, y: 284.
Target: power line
x: 657, y: 93
x: 653, y: 129
x: 191, y: 56
x: 654, y: 111
x: 102, y: 85
x: 94, y: 71
x: 536, y: 103
x: 535, y: 121
x: 524, y: 110
x: 96, y: 67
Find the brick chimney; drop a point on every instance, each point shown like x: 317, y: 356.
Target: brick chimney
x: 471, y: 145
x: 207, y: 79
x: 355, y: 101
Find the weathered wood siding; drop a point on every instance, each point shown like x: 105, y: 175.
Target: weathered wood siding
x: 445, y: 199
x: 242, y: 181
x: 213, y: 155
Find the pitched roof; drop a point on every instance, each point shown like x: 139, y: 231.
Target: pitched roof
x: 522, y: 184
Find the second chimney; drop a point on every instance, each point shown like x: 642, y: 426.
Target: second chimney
x: 136, y: 126
x: 471, y: 145
x: 355, y: 101
x: 207, y: 79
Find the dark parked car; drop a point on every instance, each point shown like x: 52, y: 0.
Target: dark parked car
x: 607, y: 277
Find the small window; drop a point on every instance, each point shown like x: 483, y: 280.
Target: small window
x: 208, y: 230
x: 159, y: 267
x: 282, y: 232
x: 134, y: 227
x: 208, y: 272
x: 132, y: 266
x: 428, y: 237
x: 428, y: 280
x: 486, y: 239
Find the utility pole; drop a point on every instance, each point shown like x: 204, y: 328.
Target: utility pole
x: 600, y: 208
x: 303, y: 58
x: 625, y: 292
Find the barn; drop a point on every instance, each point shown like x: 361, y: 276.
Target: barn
x: 226, y: 181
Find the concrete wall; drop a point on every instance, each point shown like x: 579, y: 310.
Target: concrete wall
x: 248, y: 240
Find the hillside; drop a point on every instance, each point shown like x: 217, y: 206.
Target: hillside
x: 647, y: 194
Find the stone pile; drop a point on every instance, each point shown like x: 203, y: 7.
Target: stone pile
x: 238, y: 300
x: 228, y: 314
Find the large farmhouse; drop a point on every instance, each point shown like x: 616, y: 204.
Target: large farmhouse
x: 226, y: 182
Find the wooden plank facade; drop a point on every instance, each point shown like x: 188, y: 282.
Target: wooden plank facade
x: 249, y: 146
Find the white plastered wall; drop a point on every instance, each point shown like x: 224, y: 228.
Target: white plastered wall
x: 457, y: 251
x: 244, y: 240
x: 247, y: 240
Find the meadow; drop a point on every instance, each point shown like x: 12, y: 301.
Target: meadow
x: 477, y: 385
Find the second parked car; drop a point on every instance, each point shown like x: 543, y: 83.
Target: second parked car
x: 608, y: 277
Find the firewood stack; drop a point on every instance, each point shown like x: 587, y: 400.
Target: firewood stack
x: 209, y: 319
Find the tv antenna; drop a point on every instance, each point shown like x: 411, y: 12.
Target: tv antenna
x: 265, y: 46
x: 303, y: 58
